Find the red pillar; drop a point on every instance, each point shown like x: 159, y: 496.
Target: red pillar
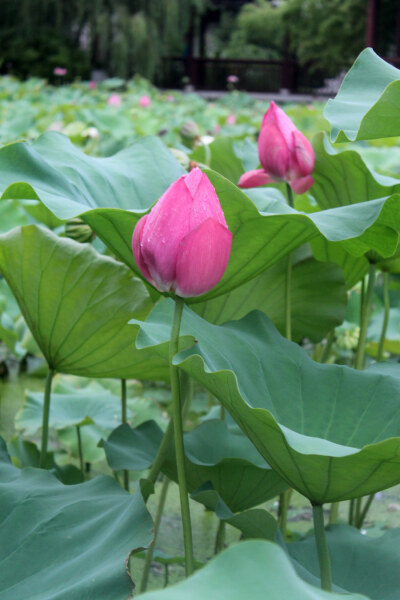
x: 372, y: 13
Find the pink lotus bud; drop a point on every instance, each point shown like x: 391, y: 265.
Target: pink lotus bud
x: 232, y: 79
x: 114, y: 100
x: 231, y: 119
x: 183, y: 244
x: 285, y: 153
x: 92, y: 85
x: 144, y: 101
x: 60, y: 71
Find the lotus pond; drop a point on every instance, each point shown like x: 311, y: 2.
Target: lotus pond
x: 285, y: 370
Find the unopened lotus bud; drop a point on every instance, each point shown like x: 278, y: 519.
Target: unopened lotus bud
x: 183, y: 245
x: 78, y: 230
x: 189, y: 131
x: 285, y: 154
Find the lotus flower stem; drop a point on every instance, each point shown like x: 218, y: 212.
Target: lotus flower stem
x: 322, y: 548
x: 124, y: 420
x: 365, y: 311
x: 386, y: 304
x: 284, y: 498
x: 80, y: 451
x: 288, y: 308
x: 178, y: 437
x: 157, y: 521
x: 167, y: 440
x: 45, y: 419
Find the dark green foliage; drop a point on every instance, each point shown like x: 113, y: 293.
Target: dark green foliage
x: 123, y: 37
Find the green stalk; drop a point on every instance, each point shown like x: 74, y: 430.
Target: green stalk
x: 359, y: 523
x: 352, y: 506
x: 334, y: 513
x: 284, y: 501
x: 322, y: 548
x: 160, y: 456
x: 157, y: 521
x: 288, y: 308
x: 178, y: 437
x: 80, y: 450
x: 386, y: 304
x: 328, y: 346
x: 365, y: 310
x: 220, y: 538
x: 285, y: 496
x: 45, y: 419
x: 357, y: 511
x: 124, y: 419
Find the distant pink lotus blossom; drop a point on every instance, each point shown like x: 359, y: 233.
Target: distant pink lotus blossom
x: 285, y: 154
x: 217, y: 129
x: 144, y: 101
x: 114, y: 100
x: 232, y: 79
x: 170, y: 98
x: 230, y: 119
x: 92, y: 85
x: 60, y: 71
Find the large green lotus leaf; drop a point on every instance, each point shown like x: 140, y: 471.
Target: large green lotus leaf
x: 253, y: 569
x: 70, y: 183
x: 81, y: 407
x: 367, y: 105
x: 67, y: 542
x: 112, y: 193
x: 329, y: 430
x: 318, y: 297
x: 359, y: 563
x: 77, y: 303
x: 342, y: 177
x: 67, y: 180
x: 261, y: 237
x: 215, y: 453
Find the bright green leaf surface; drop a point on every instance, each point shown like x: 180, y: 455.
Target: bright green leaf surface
x: 77, y: 303
x: 342, y: 177
x: 253, y: 569
x: 318, y: 298
x: 67, y: 542
x: 330, y: 431
x: 367, y: 105
x: 359, y: 563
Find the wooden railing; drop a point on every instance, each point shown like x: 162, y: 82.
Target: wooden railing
x: 253, y: 75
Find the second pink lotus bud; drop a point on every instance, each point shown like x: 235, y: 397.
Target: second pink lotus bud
x: 284, y: 152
